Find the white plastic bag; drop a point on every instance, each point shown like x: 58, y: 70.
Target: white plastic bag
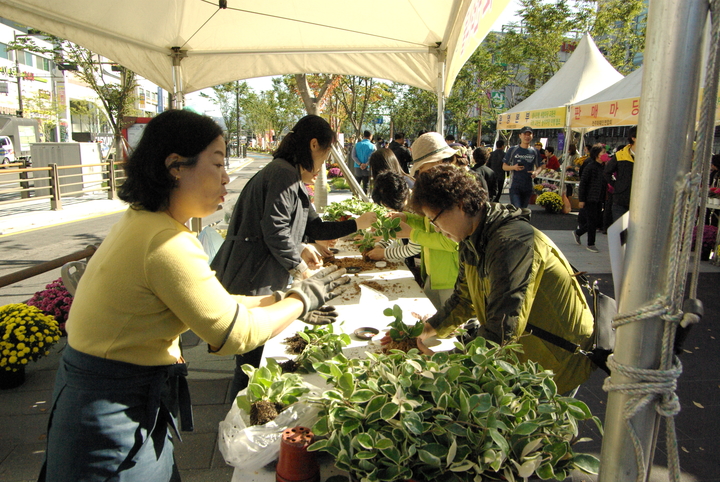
x: 211, y: 241
x: 253, y: 447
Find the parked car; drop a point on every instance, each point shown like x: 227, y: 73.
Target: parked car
x: 7, y: 151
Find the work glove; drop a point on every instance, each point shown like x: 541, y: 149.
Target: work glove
x: 322, y: 316
x: 318, y: 288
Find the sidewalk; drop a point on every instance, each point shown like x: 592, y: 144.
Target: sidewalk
x: 24, y: 411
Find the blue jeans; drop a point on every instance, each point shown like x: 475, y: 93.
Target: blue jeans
x: 520, y: 199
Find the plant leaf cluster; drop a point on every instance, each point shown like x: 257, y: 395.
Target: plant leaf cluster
x: 399, y: 330
x: 551, y: 200
x: 384, y: 227
x: 350, y: 208
x: 470, y: 415
x: 322, y: 344
x: 269, y: 383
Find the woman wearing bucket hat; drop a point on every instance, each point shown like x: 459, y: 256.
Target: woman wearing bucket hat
x: 439, y: 255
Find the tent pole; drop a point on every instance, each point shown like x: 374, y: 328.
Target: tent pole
x: 673, y: 47
x: 440, y: 91
x: 568, y: 136
x: 178, y: 94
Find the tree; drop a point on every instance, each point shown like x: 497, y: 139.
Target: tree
x: 46, y: 110
x: 411, y: 109
x: 315, y: 90
x: 228, y: 97
x: 359, y: 98
x: 619, y: 31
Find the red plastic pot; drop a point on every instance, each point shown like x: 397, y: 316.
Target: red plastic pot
x: 295, y: 463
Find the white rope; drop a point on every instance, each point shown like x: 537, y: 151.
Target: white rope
x: 657, y: 386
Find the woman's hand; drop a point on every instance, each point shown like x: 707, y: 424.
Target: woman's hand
x: 423, y: 349
x: 364, y: 221
x: 376, y: 254
x: 312, y: 258
x: 402, y: 216
x: 322, y: 248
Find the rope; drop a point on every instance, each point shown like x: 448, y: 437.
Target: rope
x: 657, y: 386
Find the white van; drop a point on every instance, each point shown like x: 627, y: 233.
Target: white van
x: 7, y: 152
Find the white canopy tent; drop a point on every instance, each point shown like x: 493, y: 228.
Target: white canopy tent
x: 187, y: 45
x: 585, y: 73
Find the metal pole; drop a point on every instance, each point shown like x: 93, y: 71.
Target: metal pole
x: 673, y: 47
x: 18, y: 77
x: 440, y: 91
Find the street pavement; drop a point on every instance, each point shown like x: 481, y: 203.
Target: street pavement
x: 24, y: 410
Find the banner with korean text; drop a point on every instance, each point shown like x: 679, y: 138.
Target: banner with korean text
x: 623, y: 112
x: 537, y: 119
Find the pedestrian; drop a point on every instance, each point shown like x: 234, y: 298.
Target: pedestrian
x: 524, y: 163
x: 591, y: 196
x: 619, y: 173
x: 264, y: 250
x: 551, y: 161
x: 495, y: 163
x: 362, y: 152
x: 401, y: 152
x: 121, y: 378
x: 512, y: 277
x: 480, y: 156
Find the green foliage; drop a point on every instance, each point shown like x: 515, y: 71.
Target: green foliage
x: 339, y: 183
x: 269, y: 383
x: 350, y: 208
x: 322, y: 344
x: 477, y: 412
x: 551, y: 201
x: 384, y: 227
x: 398, y: 329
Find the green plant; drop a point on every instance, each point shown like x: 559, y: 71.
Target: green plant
x: 349, y: 208
x: 473, y: 414
x: 26, y: 334
x: 269, y: 391
x: 403, y: 336
x: 384, y: 227
x: 320, y: 344
x: 551, y: 201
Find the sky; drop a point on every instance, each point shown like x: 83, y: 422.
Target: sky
x: 260, y: 84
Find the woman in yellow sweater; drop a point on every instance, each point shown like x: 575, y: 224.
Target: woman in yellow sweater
x: 121, y: 379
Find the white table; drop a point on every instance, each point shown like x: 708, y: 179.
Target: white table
x: 357, y: 308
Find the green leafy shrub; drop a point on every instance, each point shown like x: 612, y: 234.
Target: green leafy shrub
x: 474, y: 414
x: 321, y: 343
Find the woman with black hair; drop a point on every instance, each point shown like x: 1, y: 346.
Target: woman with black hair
x: 383, y: 160
x: 264, y: 249
x: 120, y: 382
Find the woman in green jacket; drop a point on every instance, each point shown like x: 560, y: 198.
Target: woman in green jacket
x: 511, y: 275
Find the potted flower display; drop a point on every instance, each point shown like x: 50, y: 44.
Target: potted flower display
x: 713, y: 198
x: 551, y: 201
x: 708, y: 241
x: 26, y: 334
x: 477, y: 413
x: 55, y: 300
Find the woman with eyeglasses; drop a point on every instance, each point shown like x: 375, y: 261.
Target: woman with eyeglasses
x: 511, y: 276
x: 264, y: 249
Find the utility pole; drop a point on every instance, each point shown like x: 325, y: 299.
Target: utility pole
x: 18, y: 77
x: 237, y: 118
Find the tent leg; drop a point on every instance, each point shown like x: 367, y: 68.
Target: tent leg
x: 440, y: 92
x: 663, y: 152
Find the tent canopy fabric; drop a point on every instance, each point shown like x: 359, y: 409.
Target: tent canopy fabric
x: 423, y: 43
x: 618, y: 105
x: 585, y: 73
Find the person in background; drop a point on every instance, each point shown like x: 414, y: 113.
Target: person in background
x: 524, y: 162
x: 121, y: 380
x: 264, y: 250
x: 619, y: 173
x: 551, y: 161
x: 495, y: 163
x: 541, y: 151
x: 511, y: 277
x: 362, y: 151
x: 591, y: 196
x: 571, y: 155
x: 384, y: 160
x: 480, y: 156
x: 401, y: 152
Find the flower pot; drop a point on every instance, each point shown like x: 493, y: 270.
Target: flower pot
x: 533, y: 197
x: 12, y: 379
x: 295, y: 463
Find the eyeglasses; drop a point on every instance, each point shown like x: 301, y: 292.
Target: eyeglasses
x: 432, y: 221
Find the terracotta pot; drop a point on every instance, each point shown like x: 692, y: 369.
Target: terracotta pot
x: 12, y: 379
x: 295, y: 463
x: 533, y: 197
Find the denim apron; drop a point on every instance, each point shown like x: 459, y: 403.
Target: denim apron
x: 109, y: 420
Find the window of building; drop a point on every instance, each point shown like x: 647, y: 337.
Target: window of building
x: 28, y: 59
x: 3, y: 51
x: 43, y: 64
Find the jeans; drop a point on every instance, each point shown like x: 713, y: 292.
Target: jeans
x: 520, y: 199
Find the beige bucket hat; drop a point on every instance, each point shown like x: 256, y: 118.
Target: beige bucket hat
x: 429, y: 147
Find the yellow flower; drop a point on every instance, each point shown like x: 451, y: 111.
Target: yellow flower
x: 12, y: 359
x: 35, y: 349
x: 23, y: 361
x: 48, y: 339
x: 21, y: 346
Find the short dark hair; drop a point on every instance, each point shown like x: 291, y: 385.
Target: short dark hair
x: 444, y: 186
x: 390, y: 190
x: 450, y: 138
x: 500, y: 143
x: 596, y: 150
x: 367, y: 134
x: 383, y: 159
x: 550, y: 149
x: 295, y: 147
x: 632, y: 132
x: 149, y: 182
x: 399, y: 135
x: 480, y: 156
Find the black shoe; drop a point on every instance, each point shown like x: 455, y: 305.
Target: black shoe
x: 576, y: 238
x: 593, y: 249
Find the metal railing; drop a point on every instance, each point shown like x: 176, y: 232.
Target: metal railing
x: 41, y: 268
x: 53, y: 182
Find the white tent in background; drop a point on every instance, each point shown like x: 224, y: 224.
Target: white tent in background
x: 585, y: 73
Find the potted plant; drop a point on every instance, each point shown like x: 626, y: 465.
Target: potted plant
x: 26, y: 334
x: 551, y: 201
x: 402, y: 336
x: 312, y: 345
x: 384, y: 227
x: 474, y: 414
x: 55, y: 300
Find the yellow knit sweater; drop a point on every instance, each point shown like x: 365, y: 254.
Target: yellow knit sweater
x: 148, y: 282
